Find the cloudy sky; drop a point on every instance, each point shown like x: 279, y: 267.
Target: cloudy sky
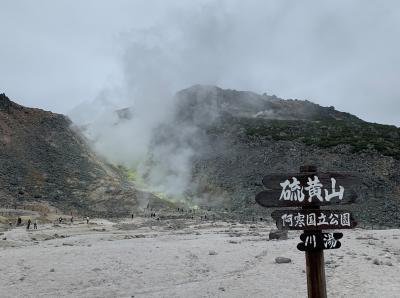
x: 57, y: 54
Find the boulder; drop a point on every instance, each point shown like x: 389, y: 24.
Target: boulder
x: 278, y: 235
x: 282, y: 260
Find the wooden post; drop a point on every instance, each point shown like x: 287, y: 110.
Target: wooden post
x: 316, y: 283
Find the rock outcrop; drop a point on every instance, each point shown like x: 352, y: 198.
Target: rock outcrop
x: 246, y: 136
x: 44, y: 159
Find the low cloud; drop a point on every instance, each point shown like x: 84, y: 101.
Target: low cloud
x: 342, y: 53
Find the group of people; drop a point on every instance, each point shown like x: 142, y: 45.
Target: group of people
x: 35, y: 223
x: 60, y: 219
x: 28, y: 223
x: 181, y: 210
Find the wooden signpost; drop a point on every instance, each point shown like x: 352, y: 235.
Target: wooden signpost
x: 309, y: 190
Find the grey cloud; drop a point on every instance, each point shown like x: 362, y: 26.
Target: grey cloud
x: 55, y: 54
x: 90, y: 58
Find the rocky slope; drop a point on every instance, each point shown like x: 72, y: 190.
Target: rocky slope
x: 245, y: 136
x: 43, y: 159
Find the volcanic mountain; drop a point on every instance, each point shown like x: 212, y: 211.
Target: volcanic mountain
x: 43, y: 159
x: 241, y: 136
x: 217, y: 145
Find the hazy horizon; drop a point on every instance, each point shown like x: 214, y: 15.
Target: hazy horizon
x: 57, y: 56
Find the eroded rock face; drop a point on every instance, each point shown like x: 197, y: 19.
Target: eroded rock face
x: 43, y: 158
x: 240, y: 167
x: 246, y: 136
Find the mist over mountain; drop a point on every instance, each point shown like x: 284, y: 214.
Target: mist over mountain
x: 210, y: 149
x: 215, y: 146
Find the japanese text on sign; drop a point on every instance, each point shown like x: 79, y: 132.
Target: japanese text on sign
x: 314, y: 220
x: 292, y: 191
x: 329, y: 241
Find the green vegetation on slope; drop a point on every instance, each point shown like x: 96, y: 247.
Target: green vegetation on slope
x: 327, y: 133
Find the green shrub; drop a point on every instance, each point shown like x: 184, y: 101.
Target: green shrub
x: 323, y: 133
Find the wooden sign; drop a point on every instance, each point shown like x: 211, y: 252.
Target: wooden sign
x: 313, y: 219
x: 307, y: 189
x: 311, y: 189
x: 319, y: 241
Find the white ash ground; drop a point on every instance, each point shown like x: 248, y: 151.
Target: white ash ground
x: 144, y: 257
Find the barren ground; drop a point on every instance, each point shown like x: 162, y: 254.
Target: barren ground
x: 144, y: 257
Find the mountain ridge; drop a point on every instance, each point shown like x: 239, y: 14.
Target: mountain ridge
x: 251, y: 104
x: 43, y: 158
x: 238, y: 149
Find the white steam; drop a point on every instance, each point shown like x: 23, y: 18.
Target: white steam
x: 307, y: 50
x: 157, y: 62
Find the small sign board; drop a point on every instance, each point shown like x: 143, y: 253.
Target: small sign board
x: 306, y: 189
x: 319, y: 241
x: 313, y: 219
